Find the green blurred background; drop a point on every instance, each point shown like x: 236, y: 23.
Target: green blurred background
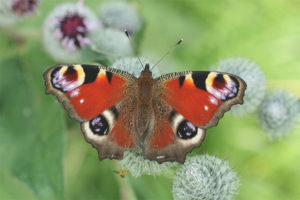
x: 43, y: 154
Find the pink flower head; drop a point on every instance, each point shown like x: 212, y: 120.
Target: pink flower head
x: 73, y: 26
x: 69, y: 28
x: 72, y: 31
x: 24, y: 7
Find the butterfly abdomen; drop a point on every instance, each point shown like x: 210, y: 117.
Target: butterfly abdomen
x: 144, y: 109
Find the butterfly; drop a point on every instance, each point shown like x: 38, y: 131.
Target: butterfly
x: 166, y: 116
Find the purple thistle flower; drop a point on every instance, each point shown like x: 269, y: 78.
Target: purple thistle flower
x: 24, y: 7
x: 67, y: 29
x: 13, y: 10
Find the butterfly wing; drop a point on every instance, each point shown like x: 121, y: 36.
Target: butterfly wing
x: 185, y: 105
x: 96, y: 97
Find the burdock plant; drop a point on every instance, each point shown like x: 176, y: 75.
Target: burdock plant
x: 205, y: 177
x: 120, y: 15
x: 12, y: 10
x: 67, y: 29
x: 137, y: 165
x: 278, y: 113
x: 112, y: 43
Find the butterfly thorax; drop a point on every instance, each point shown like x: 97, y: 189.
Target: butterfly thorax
x: 145, y: 85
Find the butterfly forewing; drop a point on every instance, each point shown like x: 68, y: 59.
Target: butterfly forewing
x: 97, y: 97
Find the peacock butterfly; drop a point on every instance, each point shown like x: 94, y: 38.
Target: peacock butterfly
x: 167, y: 116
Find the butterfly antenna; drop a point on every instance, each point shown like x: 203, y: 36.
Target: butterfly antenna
x: 168, y: 52
x: 133, y: 47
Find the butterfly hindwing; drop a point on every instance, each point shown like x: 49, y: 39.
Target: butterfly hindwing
x: 190, y: 102
x: 96, y: 96
x: 162, y: 143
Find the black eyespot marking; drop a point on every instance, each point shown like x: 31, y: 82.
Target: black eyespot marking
x: 54, y: 72
x: 235, y: 81
x: 225, y: 90
x: 181, y: 80
x: 186, y: 130
x: 109, y: 76
x: 115, y: 112
x: 234, y: 89
x: 219, y: 82
x: 220, y: 78
x: 70, y: 70
x: 99, y: 125
x: 56, y: 79
x: 199, y: 79
x: 91, y: 73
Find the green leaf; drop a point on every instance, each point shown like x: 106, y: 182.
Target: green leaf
x: 12, y: 188
x: 31, y: 133
x: 138, y: 38
x: 149, y: 187
x: 85, y: 176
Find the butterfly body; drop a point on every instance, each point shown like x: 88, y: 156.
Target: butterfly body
x: 144, y: 109
x: 167, y: 115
